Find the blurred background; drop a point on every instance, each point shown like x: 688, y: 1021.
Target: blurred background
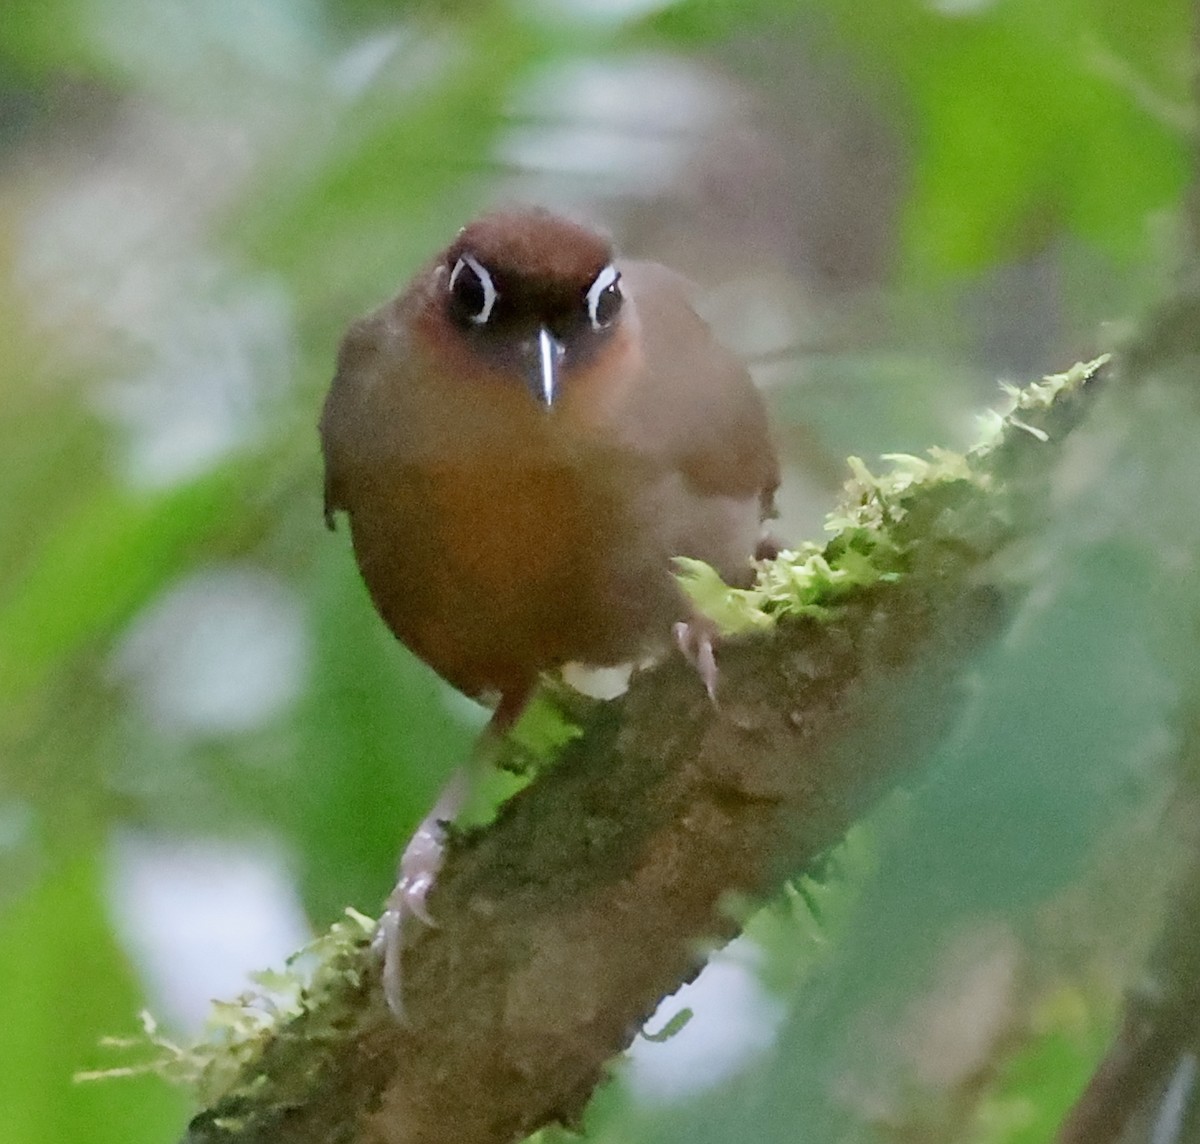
x: 210, y: 745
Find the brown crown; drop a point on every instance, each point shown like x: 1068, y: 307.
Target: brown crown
x: 534, y: 245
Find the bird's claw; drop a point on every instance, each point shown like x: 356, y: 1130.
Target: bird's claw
x: 419, y: 866
x: 695, y: 638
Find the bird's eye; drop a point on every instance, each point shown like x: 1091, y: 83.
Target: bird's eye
x: 472, y: 291
x: 604, y: 298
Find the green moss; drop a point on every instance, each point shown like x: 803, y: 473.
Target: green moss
x: 880, y: 519
x: 237, y: 1032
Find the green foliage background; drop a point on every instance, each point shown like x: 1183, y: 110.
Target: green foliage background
x: 1026, y: 127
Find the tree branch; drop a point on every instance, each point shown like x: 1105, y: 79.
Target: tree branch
x: 598, y: 888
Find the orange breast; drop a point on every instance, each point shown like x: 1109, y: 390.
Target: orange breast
x: 493, y: 572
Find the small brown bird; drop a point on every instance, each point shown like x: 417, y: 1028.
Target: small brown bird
x: 522, y: 440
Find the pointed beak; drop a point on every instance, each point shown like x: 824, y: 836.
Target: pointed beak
x: 543, y: 369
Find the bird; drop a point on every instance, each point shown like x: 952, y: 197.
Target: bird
x: 523, y: 440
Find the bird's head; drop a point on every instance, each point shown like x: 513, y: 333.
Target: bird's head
x: 530, y: 296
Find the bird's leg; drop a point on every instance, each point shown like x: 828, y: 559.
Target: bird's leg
x: 423, y: 856
x: 419, y: 865
x: 695, y: 638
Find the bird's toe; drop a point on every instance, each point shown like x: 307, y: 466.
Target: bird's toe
x: 407, y: 905
x: 695, y: 639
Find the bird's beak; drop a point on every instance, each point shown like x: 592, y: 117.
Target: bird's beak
x: 543, y: 370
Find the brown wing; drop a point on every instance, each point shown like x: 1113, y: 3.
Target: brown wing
x: 339, y: 416
x: 365, y: 431
x: 366, y: 422
x: 696, y: 402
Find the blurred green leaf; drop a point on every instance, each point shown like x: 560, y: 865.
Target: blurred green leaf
x: 1024, y: 119
x: 1039, y: 1084
x: 65, y: 986
x: 1022, y: 123
x: 43, y: 37
x: 95, y: 567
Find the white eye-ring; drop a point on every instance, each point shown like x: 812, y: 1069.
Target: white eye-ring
x: 474, y: 292
x: 604, y: 297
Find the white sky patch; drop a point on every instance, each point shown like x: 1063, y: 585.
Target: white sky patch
x: 198, y: 916
x: 599, y: 11
x: 627, y: 125
x: 734, y: 1019
x: 223, y: 651
x: 189, y: 351
x: 961, y: 7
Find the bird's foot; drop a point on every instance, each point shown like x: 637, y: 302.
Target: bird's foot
x: 422, y: 859
x: 406, y: 904
x: 695, y: 638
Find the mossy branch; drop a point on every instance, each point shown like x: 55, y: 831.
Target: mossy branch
x: 598, y: 887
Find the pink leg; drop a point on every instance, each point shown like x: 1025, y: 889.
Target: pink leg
x: 423, y: 856
x: 419, y: 866
x: 695, y: 638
